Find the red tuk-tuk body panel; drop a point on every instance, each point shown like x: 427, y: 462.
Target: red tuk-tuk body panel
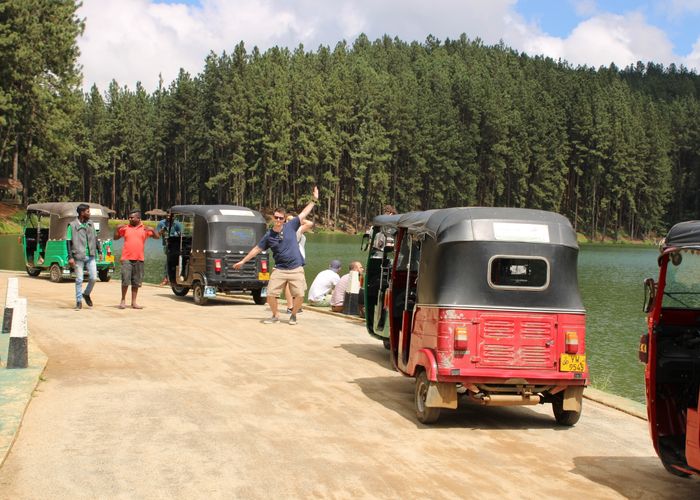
x: 494, y: 345
x: 483, y: 306
x: 670, y: 350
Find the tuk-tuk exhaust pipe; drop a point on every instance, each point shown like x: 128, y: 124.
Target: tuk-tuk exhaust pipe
x: 507, y: 399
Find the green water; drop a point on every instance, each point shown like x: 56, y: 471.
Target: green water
x: 610, y: 279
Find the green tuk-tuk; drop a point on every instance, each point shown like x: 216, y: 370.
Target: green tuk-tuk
x: 44, y: 239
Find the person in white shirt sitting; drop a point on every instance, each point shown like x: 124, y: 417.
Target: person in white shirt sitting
x: 338, y: 296
x: 322, y: 286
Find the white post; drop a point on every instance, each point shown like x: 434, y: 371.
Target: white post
x: 10, y: 297
x: 17, y: 353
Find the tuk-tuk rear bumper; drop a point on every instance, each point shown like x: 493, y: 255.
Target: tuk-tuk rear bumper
x: 236, y: 285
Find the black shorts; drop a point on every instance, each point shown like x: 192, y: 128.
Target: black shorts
x: 132, y: 273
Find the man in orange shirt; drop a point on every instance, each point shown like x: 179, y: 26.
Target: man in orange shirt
x: 135, y: 235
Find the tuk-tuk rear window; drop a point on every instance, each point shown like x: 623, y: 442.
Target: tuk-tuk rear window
x: 516, y: 272
x: 240, y: 236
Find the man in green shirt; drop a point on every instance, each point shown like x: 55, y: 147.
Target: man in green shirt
x: 83, y: 247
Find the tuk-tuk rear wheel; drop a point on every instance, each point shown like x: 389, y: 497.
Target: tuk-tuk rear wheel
x: 673, y: 470
x: 198, y: 294
x: 258, y: 298
x: 180, y: 290
x: 562, y: 416
x: 33, y: 271
x: 425, y: 414
x: 55, y: 273
x: 103, y: 274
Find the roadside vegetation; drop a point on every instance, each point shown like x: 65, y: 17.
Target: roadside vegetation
x: 415, y: 124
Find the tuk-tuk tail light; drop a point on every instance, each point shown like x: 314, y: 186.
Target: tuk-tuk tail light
x: 461, y: 338
x: 571, y: 342
x: 263, y: 266
x: 217, y: 265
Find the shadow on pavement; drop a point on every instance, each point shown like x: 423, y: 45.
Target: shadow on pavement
x: 396, y: 394
x: 374, y: 352
x: 188, y: 300
x: 636, y: 477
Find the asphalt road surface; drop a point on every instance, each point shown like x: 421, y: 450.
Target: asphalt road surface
x: 183, y: 401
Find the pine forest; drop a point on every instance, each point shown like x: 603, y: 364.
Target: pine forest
x: 418, y: 125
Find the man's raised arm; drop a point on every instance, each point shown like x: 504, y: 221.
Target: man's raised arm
x: 310, y: 206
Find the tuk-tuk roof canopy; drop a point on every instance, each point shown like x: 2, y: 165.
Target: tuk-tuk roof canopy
x: 485, y: 224
x: 220, y: 213
x: 683, y: 234
x: 65, y: 208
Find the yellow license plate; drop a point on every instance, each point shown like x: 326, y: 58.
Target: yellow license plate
x: 263, y: 276
x: 572, y: 363
x: 109, y: 258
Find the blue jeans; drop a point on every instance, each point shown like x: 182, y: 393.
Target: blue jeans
x: 91, y: 264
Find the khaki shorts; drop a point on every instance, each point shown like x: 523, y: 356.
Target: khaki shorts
x: 280, y: 277
x: 132, y: 273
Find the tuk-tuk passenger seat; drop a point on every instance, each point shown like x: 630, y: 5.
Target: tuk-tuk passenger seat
x: 30, y: 241
x: 186, y: 245
x: 43, y: 237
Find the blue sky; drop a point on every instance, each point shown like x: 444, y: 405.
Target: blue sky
x: 136, y: 40
x: 679, y: 20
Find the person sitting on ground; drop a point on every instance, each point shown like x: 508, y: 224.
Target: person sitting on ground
x: 338, y: 296
x: 323, y: 284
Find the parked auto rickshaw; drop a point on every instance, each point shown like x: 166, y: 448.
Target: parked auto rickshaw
x: 214, y: 237
x: 379, y: 242
x: 44, y: 239
x: 671, y: 351
x: 482, y: 303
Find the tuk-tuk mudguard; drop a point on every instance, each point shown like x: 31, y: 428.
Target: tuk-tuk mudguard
x: 425, y: 359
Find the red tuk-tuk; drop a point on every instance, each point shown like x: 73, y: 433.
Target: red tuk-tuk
x: 671, y: 351
x: 483, y: 303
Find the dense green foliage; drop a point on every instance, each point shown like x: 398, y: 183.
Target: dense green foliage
x: 417, y: 125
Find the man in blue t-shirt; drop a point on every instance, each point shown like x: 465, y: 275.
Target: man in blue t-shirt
x: 281, y: 239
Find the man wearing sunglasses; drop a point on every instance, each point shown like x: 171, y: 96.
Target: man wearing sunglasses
x: 289, y: 263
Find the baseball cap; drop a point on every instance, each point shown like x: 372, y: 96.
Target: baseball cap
x: 335, y: 265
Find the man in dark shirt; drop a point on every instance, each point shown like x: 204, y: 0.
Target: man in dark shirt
x: 289, y: 264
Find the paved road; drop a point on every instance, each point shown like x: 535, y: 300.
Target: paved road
x: 183, y: 401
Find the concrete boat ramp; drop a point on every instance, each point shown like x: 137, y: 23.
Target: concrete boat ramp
x: 182, y: 401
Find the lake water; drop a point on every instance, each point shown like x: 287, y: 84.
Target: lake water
x: 610, y: 278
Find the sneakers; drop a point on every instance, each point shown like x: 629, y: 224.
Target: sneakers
x: 271, y: 320
x: 87, y: 300
x: 289, y: 311
x: 293, y: 319
x: 78, y: 306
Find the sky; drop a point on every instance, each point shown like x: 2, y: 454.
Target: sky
x: 138, y: 40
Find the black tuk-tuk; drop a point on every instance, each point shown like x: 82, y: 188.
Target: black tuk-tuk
x: 482, y: 302
x: 44, y: 238
x: 213, y: 238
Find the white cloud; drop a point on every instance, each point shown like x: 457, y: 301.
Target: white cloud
x: 135, y: 40
x: 677, y: 8
x: 584, y: 8
x: 607, y: 38
x: 693, y: 59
